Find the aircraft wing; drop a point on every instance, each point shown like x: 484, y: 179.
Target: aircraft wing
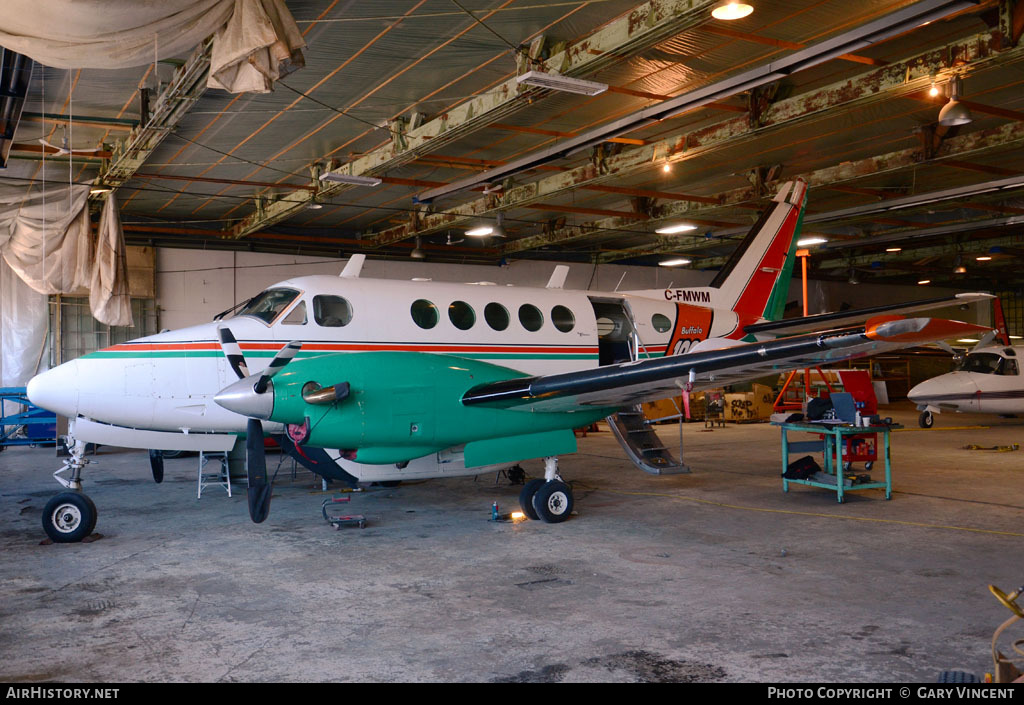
x: 845, y: 318
x: 644, y: 380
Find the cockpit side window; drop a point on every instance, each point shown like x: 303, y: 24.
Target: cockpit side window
x: 984, y: 363
x: 1010, y: 367
x: 268, y: 305
x: 297, y: 316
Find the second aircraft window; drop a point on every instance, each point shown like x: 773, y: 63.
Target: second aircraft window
x: 461, y: 315
x: 496, y: 316
x: 531, y: 317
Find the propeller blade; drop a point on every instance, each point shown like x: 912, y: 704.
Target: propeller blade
x: 985, y: 340
x: 260, y: 487
x: 233, y: 352
x: 280, y: 360
x: 156, y: 464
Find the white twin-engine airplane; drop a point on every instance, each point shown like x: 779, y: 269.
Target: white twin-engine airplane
x: 378, y: 380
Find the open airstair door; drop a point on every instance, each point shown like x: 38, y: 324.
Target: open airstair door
x: 619, y: 342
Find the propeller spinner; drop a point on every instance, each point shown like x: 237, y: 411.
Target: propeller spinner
x: 248, y: 396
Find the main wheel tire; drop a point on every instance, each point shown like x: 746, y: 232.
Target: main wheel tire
x: 69, y: 517
x: 526, y: 497
x: 156, y: 464
x: 553, y: 502
x: 926, y: 419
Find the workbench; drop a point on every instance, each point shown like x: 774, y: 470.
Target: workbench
x: 831, y: 446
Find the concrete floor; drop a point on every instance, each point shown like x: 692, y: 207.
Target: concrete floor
x: 713, y: 576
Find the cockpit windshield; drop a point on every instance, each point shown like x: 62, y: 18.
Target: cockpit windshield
x: 268, y: 305
x: 988, y: 364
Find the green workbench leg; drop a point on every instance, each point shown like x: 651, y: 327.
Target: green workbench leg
x: 785, y: 460
x: 888, y: 467
x: 839, y: 467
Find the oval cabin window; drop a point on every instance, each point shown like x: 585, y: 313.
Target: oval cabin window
x: 424, y: 313
x: 530, y: 317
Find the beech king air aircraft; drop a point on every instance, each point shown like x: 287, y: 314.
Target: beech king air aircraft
x: 380, y: 380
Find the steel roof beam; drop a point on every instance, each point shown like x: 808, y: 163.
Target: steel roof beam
x: 168, y: 108
x: 972, y: 143
x: 902, y: 20
x: 908, y: 76
x: 643, y: 27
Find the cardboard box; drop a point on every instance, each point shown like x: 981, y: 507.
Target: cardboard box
x: 756, y: 405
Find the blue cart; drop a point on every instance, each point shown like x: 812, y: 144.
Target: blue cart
x: 40, y: 425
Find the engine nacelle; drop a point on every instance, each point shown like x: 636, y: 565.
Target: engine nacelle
x: 403, y: 405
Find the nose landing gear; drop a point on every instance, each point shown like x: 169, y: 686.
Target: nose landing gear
x: 70, y: 516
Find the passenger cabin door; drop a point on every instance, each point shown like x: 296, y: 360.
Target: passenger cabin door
x: 617, y: 340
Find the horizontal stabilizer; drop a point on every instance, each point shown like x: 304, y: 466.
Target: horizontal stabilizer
x: 803, y: 324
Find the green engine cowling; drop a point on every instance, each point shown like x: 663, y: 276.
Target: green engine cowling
x: 404, y: 405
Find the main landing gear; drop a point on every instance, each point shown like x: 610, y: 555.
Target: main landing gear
x: 70, y: 516
x: 549, y: 498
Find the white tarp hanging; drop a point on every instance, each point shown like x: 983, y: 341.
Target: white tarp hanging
x: 260, y: 43
x: 45, y: 238
x: 109, y: 299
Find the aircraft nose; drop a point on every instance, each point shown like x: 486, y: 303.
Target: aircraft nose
x: 56, y: 390
x: 241, y: 398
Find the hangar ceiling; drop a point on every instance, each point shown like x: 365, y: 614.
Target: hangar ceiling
x: 423, y: 96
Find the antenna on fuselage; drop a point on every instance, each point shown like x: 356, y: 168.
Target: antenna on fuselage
x: 353, y: 267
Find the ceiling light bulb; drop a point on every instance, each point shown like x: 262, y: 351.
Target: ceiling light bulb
x: 732, y: 10
x: 675, y: 229
x: 934, y: 90
x: 954, y: 112
x: 482, y: 231
x: 667, y: 167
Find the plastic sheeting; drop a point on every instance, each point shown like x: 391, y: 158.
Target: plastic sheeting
x: 23, y: 326
x: 108, y: 290
x: 255, y: 41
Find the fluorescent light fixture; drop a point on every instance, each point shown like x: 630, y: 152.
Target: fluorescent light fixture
x: 732, y: 10
x: 557, y: 82
x: 983, y: 258
x: 100, y: 189
x: 675, y: 229
x: 808, y: 241
x: 894, y: 249
x: 482, y: 231
x: 673, y: 262
x: 350, y: 179
x: 967, y: 340
x: 1015, y: 337
x: 925, y: 281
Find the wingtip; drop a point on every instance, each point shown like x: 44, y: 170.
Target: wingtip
x: 919, y: 330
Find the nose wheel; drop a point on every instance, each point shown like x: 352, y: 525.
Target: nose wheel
x: 69, y: 517
x: 926, y: 419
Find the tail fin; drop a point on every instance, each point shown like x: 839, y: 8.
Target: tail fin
x: 755, y: 280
